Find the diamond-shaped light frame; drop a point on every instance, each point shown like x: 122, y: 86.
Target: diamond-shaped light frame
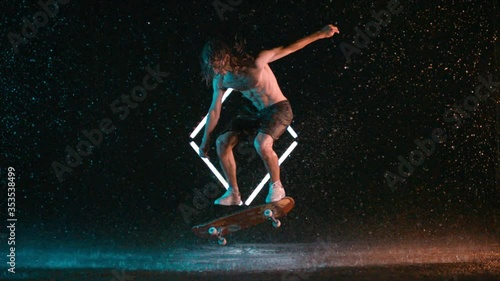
x: 218, y: 174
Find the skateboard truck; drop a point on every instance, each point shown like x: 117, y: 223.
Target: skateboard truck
x: 270, y: 216
x: 217, y: 232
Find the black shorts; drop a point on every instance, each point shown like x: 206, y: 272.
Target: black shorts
x: 272, y: 120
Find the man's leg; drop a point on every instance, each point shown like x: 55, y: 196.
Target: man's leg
x: 225, y: 144
x: 274, y: 121
x: 264, y: 146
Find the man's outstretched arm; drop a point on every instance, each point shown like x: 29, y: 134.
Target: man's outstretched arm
x: 268, y: 56
x: 212, y: 118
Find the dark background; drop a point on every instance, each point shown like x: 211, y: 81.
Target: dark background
x: 353, y: 120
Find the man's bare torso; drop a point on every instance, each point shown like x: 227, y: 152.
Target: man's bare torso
x: 258, y: 84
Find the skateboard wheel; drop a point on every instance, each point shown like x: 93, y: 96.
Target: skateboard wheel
x: 268, y: 213
x: 222, y: 241
x: 276, y: 223
x: 212, y: 231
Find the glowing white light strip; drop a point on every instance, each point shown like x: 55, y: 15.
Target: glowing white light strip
x: 198, y: 128
x: 226, y: 94
x: 204, y: 121
x: 292, y: 132
x: 266, y: 178
x: 210, y: 165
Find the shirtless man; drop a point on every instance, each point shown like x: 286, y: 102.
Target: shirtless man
x: 256, y: 81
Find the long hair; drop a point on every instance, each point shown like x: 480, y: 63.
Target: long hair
x: 215, y: 50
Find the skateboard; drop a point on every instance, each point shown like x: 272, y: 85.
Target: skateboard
x: 221, y: 227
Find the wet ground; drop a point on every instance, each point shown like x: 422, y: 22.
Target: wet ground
x: 291, y: 262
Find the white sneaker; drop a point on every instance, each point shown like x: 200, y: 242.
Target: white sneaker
x: 229, y: 198
x: 276, y: 192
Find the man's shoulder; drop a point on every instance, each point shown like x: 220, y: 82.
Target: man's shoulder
x: 217, y: 82
x: 218, y: 78
x: 260, y: 61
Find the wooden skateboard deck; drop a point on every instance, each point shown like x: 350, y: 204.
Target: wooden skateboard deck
x: 221, y: 227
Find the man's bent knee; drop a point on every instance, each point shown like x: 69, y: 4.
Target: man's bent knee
x: 263, y: 144
x: 224, y: 142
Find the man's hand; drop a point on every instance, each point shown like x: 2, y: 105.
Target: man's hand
x: 204, y: 148
x: 328, y: 31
